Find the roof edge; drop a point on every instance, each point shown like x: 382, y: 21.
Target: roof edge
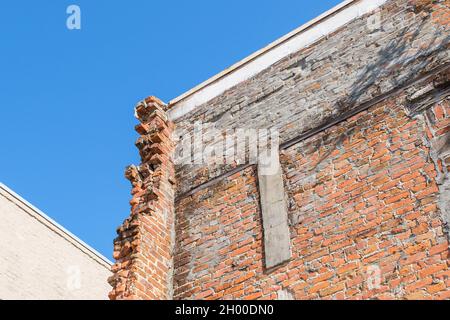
x: 319, y: 27
x: 77, y: 242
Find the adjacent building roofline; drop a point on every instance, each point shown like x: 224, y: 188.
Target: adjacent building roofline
x: 294, y: 41
x: 53, y: 225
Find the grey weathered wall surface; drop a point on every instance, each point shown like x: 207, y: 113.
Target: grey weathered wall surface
x: 317, y: 85
x: 38, y: 261
x: 364, y: 122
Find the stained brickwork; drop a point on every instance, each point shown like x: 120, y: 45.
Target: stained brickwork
x: 313, y: 87
x: 363, y: 199
x: 364, y: 122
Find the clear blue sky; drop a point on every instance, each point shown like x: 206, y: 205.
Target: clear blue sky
x: 67, y: 97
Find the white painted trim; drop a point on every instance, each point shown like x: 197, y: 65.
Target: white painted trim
x: 294, y: 41
x: 53, y: 225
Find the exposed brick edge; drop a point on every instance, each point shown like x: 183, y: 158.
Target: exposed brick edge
x: 143, y: 249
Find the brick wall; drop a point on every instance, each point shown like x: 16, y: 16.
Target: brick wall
x: 363, y: 199
x: 219, y: 240
x: 363, y: 117
x: 335, y: 76
x: 144, y: 247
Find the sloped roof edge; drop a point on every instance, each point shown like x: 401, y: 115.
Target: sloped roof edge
x: 53, y: 225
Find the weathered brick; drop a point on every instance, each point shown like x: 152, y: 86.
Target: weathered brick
x: 366, y: 193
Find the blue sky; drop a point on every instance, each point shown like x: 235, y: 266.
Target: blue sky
x: 67, y: 96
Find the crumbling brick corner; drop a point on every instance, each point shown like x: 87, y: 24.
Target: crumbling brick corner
x: 143, y: 249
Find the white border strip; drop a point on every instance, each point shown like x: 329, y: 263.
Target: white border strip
x: 59, y: 229
x: 294, y: 41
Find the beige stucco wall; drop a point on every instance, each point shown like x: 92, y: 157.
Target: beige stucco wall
x: 41, y: 260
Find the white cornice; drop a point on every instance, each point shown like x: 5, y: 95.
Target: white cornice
x: 294, y: 41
